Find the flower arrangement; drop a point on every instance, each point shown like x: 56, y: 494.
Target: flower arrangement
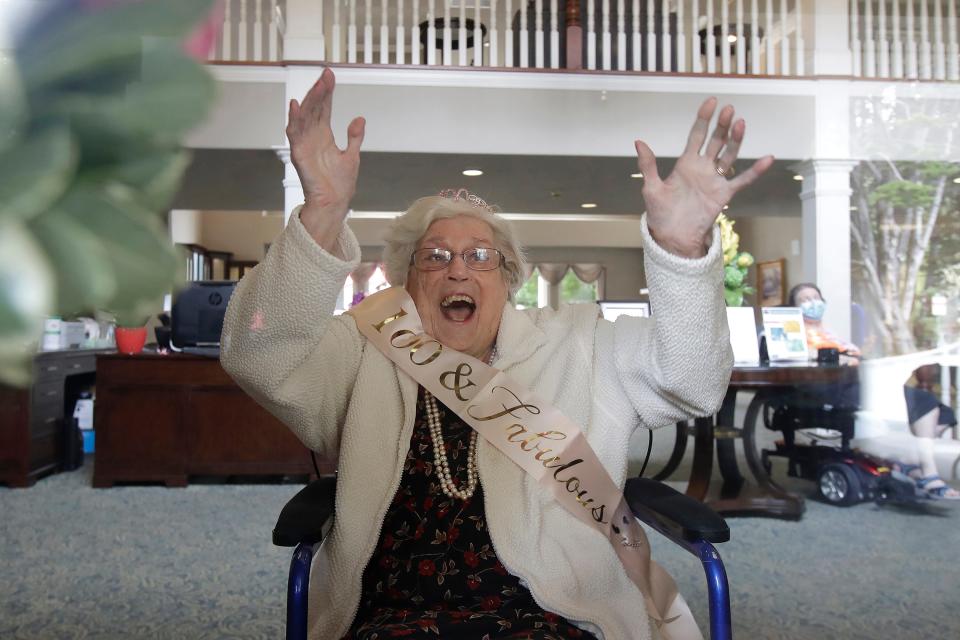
x: 735, y: 264
x: 94, y: 99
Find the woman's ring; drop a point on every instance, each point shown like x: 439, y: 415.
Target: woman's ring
x: 725, y: 173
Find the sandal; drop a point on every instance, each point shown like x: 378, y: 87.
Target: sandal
x: 912, y: 470
x: 942, y: 492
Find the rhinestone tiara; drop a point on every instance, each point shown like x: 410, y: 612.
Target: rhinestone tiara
x: 475, y: 200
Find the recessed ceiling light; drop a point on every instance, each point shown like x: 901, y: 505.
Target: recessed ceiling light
x: 798, y: 178
x: 636, y: 175
x: 589, y: 205
x: 956, y: 180
x: 731, y: 38
x: 725, y: 207
x: 853, y: 207
x: 472, y: 172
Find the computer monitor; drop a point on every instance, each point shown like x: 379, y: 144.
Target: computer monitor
x: 197, y: 316
x: 611, y: 309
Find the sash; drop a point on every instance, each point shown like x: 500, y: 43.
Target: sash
x: 534, y: 435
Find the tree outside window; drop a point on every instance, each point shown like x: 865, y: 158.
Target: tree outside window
x: 573, y: 290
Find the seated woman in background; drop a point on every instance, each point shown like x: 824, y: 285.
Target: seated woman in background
x: 807, y: 296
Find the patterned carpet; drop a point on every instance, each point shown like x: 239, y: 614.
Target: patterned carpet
x: 150, y: 562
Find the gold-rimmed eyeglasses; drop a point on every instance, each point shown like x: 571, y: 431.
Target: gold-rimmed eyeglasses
x: 478, y: 259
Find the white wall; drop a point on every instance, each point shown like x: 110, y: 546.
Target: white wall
x: 770, y: 238
x: 243, y: 233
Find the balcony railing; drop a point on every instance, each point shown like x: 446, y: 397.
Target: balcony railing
x: 898, y: 39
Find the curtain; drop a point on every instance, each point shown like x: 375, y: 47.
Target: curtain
x: 591, y: 273
x: 553, y: 272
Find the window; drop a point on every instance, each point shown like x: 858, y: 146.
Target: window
x: 573, y: 290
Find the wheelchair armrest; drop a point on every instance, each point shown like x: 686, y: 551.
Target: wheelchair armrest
x: 303, y: 517
x: 674, y: 514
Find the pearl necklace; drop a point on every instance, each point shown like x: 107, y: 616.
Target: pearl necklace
x: 441, y: 464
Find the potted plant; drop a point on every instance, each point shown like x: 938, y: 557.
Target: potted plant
x: 131, y: 330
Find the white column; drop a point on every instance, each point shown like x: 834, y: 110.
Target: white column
x: 304, y: 37
x: 292, y: 191
x: 825, y: 207
x: 826, y: 27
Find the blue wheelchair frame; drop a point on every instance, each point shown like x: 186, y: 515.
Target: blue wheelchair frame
x: 680, y: 518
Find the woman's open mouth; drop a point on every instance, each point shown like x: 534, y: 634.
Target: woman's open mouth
x: 458, y: 307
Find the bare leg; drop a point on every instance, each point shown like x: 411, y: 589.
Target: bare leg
x: 926, y: 429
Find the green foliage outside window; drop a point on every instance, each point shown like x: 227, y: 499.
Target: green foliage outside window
x: 527, y: 296
x: 574, y: 290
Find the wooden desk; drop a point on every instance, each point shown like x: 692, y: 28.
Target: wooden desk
x: 32, y: 421
x: 163, y: 418
x: 772, y: 499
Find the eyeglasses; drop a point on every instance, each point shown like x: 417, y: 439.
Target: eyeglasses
x: 478, y: 259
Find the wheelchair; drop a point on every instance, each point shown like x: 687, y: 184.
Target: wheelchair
x: 683, y: 520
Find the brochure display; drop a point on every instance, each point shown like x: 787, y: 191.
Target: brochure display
x: 786, y: 337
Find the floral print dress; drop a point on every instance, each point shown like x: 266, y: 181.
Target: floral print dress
x: 434, y: 573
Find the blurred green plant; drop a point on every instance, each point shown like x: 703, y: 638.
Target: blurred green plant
x: 94, y: 102
x: 736, y: 263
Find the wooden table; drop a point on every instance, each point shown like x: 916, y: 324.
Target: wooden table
x: 767, y: 498
x: 165, y: 418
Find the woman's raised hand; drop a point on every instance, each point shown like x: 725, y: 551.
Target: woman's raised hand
x: 682, y: 209
x: 328, y: 174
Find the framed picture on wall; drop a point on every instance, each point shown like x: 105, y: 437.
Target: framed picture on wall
x: 771, y: 283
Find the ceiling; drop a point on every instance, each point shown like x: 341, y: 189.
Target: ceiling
x: 221, y: 179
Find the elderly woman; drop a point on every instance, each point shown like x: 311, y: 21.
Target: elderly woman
x: 438, y: 533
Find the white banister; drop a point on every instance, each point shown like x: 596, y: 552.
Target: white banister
x: 754, y: 38
x: 711, y: 40
x: 278, y: 28
x: 258, y: 30
x: 605, y: 56
x: 695, y: 36
x: 368, y: 33
x: 681, y: 44
x: 784, y: 40
x: 926, y: 68
x: 336, y: 36
x: 939, y: 50
x: 478, y: 34
x: 462, y: 35
x: 399, y: 35
x: 352, y: 33
x: 242, y: 32
x: 912, y: 69
x: 651, y: 37
x: 869, y: 47
x: 665, y: 36
x: 621, y: 37
x: 494, y: 35
x: 883, y: 47
x: 953, y: 51
x: 524, y: 37
x: 384, y: 56
x: 896, y: 45
x: 415, y: 55
x: 431, y: 45
x: 725, y: 36
x: 740, y: 44
x: 226, y: 41
x: 637, y: 43
x: 448, y: 35
x: 508, y: 35
x: 800, y: 51
x: 591, y: 37
x: 768, y: 39
x: 554, y: 36
x: 539, y: 55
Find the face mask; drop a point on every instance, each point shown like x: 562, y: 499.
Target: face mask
x: 813, y: 309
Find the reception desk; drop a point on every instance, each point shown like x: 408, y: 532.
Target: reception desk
x: 165, y: 418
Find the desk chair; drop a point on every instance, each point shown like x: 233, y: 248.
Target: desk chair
x: 683, y: 520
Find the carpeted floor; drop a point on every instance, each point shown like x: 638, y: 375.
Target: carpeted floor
x: 150, y: 562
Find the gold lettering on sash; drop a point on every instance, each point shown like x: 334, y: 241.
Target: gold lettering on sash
x: 432, y: 357
x: 597, y: 513
x: 566, y: 466
x: 380, y: 325
x: 414, y: 340
x: 506, y: 410
x: 462, y: 371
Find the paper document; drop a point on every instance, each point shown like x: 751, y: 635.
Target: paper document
x: 743, y: 335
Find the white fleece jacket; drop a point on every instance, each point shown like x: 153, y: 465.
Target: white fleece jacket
x: 344, y: 399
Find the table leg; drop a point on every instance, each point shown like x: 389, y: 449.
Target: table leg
x: 702, y: 459
x: 772, y: 500
x: 726, y: 447
x: 676, y: 456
